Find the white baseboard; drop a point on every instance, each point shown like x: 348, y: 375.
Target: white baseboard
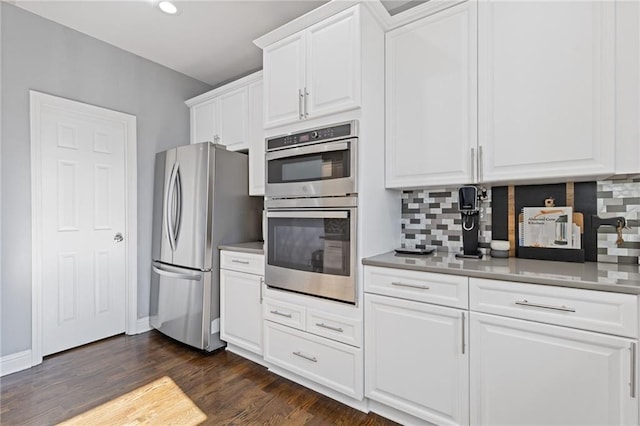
x: 258, y: 359
x: 143, y: 325
x: 360, y: 405
x: 15, y: 362
x: 396, y: 415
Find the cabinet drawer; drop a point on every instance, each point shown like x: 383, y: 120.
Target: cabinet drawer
x: 334, y: 327
x: 284, y: 313
x: 601, y: 311
x: 329, y: 363
x: 441, y: 289
x: 242, y: 262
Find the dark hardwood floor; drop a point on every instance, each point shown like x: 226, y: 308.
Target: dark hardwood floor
x: 226, y: 387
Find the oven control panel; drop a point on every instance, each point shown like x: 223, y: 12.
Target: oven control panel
x: 324, y: 134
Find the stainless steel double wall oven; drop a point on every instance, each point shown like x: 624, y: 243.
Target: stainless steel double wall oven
x: 311, y: 190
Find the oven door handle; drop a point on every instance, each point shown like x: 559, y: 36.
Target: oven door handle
x: 309, y: 215
x: 309, y: 149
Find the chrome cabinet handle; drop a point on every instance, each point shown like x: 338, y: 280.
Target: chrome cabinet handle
x: 563, y: 308
x: 261, y: 282
x: 309, y: 358
x: 480, y: 165
x: 463, y: 333
x: 328, y: 327
x: 399, y: 284
x: 300, y: 100
x: 632, y: 382
x: 281, y: 314
x: 242, y: 262
x: 306, y: 97
x: 473, y: 164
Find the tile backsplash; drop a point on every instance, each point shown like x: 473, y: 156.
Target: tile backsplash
x: 619, y: 198
x: 430, y: 218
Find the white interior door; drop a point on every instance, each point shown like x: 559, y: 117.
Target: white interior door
x: 83, y: 223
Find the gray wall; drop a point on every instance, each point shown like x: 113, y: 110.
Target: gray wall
x: 41, y: 55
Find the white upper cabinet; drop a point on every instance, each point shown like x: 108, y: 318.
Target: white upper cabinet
x: 333, y: 64
x: 547, y: 83
x: 222, y: 115
x: 222, y: 119
x: 503, y: 91
x: 284, y: 80
x: 233, y: 119
x: 204, y: 125
x: 256, y: 140
x: 313, y: 72
x: 627, y: 87
x: 431, y: 100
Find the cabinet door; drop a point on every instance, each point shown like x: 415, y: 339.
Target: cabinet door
x: 416, y: 359
x: 527, y: 373
x: 546, y: 80
x: 431, y: 92
x: 241, y: 310
x: 204, y: 122
x: 233, y: 125
x: 283, y: 81
x: 256, y: 140
x: 333, y: 64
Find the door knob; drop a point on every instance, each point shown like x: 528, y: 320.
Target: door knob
x: 118, y: 237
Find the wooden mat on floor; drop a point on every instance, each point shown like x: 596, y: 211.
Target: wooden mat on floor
x: 160, y: 402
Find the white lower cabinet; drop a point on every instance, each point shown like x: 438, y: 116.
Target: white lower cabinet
x: 241, y: 302
x: 332, y: 364
x: 316, y: 344
x: 527, y: 373
x: 417, y: 359
x: 523, y: 354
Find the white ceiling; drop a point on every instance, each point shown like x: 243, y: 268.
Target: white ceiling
x: 211, y: 41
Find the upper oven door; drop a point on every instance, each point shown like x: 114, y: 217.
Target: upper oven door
x: 319, y: 170
x: 312, y: 252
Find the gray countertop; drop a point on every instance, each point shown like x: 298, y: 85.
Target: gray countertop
x: 255, y: 247
x: 589, y: 275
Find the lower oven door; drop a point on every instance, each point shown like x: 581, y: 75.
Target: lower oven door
x: 312, y: 251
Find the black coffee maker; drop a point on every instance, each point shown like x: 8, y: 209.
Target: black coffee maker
x: 468, y: 204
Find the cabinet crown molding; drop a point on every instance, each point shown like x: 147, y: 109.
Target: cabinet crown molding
x: 323, y: 12
x: 236, y: 84
x: 378, y: 11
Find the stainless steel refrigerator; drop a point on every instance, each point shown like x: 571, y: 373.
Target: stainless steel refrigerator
x: 201, y: 200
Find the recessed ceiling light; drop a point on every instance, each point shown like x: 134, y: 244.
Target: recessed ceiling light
x: 168, y: 7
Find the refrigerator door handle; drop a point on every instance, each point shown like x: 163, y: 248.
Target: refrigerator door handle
x: 177, y: 275
x: 178, y: 184
x: 167, y: 210
x: 170, y: 207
